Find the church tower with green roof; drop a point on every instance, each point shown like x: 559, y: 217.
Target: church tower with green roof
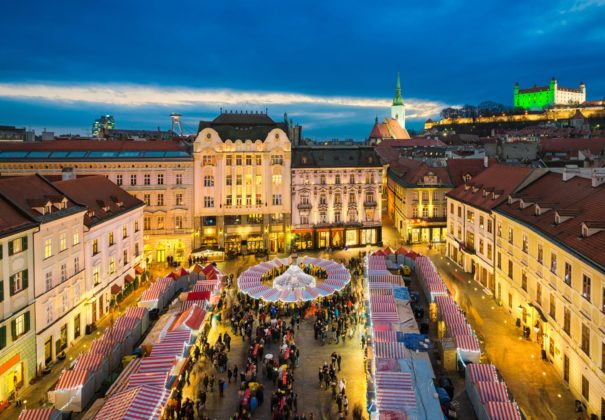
x: 398, y: 106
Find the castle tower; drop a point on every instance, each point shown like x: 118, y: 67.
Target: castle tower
x: 398, y: 107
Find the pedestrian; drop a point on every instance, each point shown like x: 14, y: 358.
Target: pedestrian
x: 339, y: 402
x: 230, y: 374
x: 338, y: 360
x: 205, y: 382
x: 221, y: 387
x: 345, y: 404
x: 212, y: 378
x: 235, y: 373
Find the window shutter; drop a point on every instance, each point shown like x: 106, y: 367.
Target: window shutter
x: 10, y: 248
x: 27, y: 321
x: 14, y: 329
x: 24, y: 243
x: 24, y: 280
x: 12, y: 285
x: 1, y: 291
x: 2, y: 336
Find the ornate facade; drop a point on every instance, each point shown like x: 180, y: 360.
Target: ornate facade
x: 336, y: 197
x: 242, y: 184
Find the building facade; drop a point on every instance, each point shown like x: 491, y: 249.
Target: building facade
x: 470, y: 223
x: 159, y: 173
x: 540, y: 97
x: 17, y: 312
x: 242, y: 184
x: 113, y: 240
x: 58, y: 266
x: 336, y: 197
x: 416, y: 202
x: 550, y: 274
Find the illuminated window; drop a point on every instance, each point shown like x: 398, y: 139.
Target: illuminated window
x: 276, y: 179
x: 179, y: 199
x: 112, y: 265
x: 110, y: 240
x: 178, y: 222
x: 238, y: 180
x: 124, y: 232
x: 48, y: 248
x: 586, y: 287
x: 259, y: 160
x: 76, y: 237
x: 259, y: 180
x: 160, y: 221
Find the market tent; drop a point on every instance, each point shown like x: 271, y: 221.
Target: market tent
x: 157, y: 364
x: 96, y: 364
x: 121, y: 382
x: 394, y: 391
x: 143, y: 402
x: 74, y: 390
x: 191, y: 318
x: 40, y: 414
x: 502, y: 411
x: 159, y: 379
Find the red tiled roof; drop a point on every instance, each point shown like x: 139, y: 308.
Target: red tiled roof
x: 577, y: 194
x: 573, y: 145
x: 389, y: 128
x: 11, y: 219
x: 92, y: 145
x: 29, y: 191
x: 411, y: 171
x: 390, y: 149
x: 97, y: 192
x: 501, y: 178
x: 458, y: 168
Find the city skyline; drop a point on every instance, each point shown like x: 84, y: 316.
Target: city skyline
x: 331, y: 67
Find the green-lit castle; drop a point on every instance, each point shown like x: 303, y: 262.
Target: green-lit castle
x: 540, y: 97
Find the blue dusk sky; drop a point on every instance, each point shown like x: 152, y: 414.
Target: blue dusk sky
x: 331, y: 65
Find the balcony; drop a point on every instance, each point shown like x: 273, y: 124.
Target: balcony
x: 304, y: 206
x: 370, y: 204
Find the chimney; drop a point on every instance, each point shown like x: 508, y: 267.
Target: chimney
x: 68, y: 174
x: 485, y: 161
x: 598, y: 176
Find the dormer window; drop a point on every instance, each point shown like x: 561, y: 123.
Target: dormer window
x: 48, y: 208
x: 557, y: 219
x: 584, y: 230
x: 537, y: 210
x: 466, y: 178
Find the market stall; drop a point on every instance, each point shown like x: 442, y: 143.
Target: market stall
x: 74, y: 390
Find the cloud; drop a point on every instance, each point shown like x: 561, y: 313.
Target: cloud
x: 128, y: 95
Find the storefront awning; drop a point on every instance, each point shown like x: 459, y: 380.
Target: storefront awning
x: 138, y: 269
x: 128, y: 278
x: 115, y: 289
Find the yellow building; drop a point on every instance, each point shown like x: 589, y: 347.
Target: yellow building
x: 159, y: 173
x: 416, y: 201
x: 550, y: 274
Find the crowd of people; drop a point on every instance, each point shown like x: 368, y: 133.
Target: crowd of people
x: 272, y: 355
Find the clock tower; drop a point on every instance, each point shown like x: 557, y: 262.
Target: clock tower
x: 398, y: 107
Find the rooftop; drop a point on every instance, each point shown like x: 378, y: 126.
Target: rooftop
x: 243, y: 125
x: 577, y: 200
x: 334, y: 157
x: 92, y: 149
x: 37, y: 198
x: 389, y: 128
x: 389, y: 150
x: 103, y: 199
x: 491, y: 187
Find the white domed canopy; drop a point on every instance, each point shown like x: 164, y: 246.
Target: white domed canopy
x: 293, y: 278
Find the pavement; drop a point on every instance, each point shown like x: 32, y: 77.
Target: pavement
x: 311, y: 398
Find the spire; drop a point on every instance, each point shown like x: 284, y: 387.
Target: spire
x: 398, y: 100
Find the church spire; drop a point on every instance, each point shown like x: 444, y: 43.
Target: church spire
x: 398, y: 99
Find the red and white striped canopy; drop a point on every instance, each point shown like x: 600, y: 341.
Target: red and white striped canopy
x: 380, y: 285
x: 189, y: 303
x: 135, y: 312
x: 394, y: 391
x: 458, y: 329
x: 382, y: 291
x: 385, y: 316
x: 72, y: 379
x: 103, y: 345
x: 140, y: 403
x: 385, y: 278
x: 126, y: 323
x: 467, y: 343
x: 492, y: 391
x: 89, y: 361
x: 385, y: 336
x: 391, y: 350
x: 383, y: 306
x: 480, y: 372
x: 394, y: 380
x: 170, y: 348
x: 121, y: 383
x: 158, y: 379
x: 157, y: 364
x: 502, y: 410
x: 40, y: 414
x: 376, y: 262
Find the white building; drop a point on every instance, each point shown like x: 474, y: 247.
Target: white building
x: 336, y: 197
x: 113, y: 239
x: 242, y: 183
x: 58, y: 275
